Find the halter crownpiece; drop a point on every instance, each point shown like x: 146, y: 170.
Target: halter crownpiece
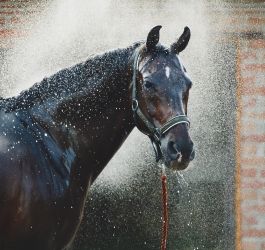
x: 156, y: 133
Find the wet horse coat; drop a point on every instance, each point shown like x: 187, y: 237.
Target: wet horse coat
x: 57, y: 136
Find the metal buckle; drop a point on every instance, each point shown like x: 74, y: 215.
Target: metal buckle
x: 157, y: 134
x: 134, y: 104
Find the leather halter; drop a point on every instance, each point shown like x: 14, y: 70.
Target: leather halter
x: 156, y: 133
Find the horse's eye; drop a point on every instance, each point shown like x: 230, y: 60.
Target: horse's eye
x: 149, y: 86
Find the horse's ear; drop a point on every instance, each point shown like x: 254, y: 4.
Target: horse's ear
x: 153, y: 38
x: 182, y: 42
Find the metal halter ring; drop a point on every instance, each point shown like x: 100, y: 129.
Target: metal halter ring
x: 134, y: 104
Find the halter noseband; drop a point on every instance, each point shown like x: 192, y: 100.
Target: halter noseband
x: 156, y: 133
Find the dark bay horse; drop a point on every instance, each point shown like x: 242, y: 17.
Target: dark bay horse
x: 57, y: 136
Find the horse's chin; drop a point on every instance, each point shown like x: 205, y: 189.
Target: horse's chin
x: 176, y: 165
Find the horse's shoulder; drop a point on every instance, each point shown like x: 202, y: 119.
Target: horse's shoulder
x: 26, y: 147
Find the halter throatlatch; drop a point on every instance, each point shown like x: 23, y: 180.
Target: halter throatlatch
x: 156, y: 133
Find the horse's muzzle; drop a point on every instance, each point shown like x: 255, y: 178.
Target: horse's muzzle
x: 177, y: 152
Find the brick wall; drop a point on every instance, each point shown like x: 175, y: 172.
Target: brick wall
x: 247, y: 26
x: 17, y: 19
x: 244, y: 23
x: 252, y: 136
x: 252, y: 123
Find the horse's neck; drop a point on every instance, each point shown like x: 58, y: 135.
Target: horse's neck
x: 93, y: 124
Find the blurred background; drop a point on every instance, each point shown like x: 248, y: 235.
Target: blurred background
x: 214, y: 204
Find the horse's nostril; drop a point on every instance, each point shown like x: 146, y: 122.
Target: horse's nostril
x: 180, y: 153
x: 172, y: 150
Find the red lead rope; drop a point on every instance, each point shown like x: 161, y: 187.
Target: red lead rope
x: 164, y: 196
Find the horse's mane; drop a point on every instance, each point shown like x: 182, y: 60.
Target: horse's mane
x: 71, y: 80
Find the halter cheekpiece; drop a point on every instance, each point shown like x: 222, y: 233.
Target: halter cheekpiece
x: 156, y: 133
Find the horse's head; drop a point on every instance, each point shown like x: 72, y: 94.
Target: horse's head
x: 163, y: 90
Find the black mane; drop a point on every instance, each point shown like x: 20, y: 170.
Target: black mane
x: 71, y: 80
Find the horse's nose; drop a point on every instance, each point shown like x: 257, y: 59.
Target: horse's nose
x: 178, y: 152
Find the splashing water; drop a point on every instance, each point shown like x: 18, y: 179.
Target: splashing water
x: 182, y: 177
x: 162, y: 168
